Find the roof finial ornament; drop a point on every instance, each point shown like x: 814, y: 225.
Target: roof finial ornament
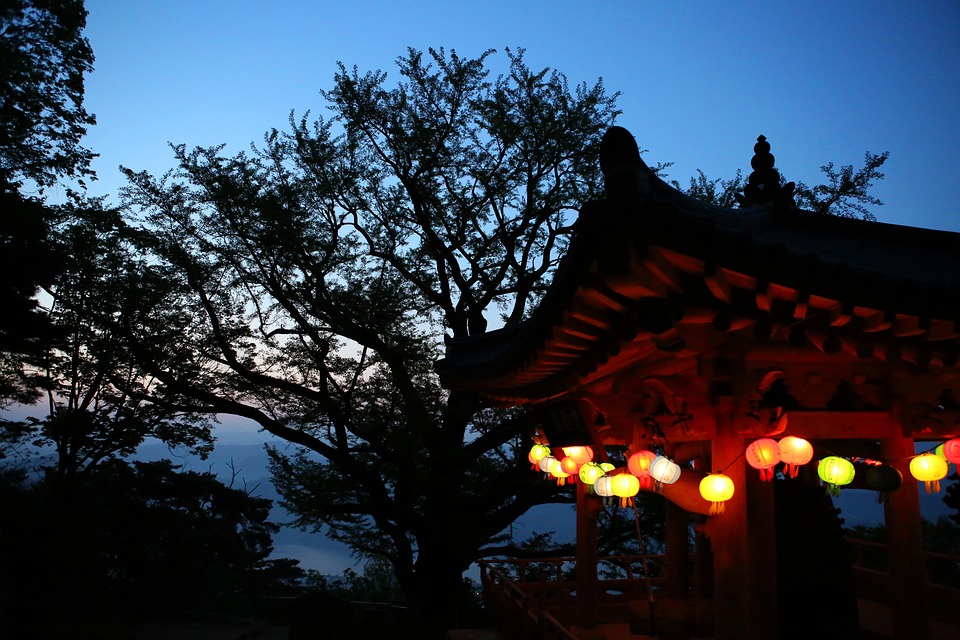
x: 763, y: 185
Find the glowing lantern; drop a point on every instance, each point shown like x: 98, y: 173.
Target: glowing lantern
x: 556, y: 470
x: 717, y: 489
x: 763, y: 454
x: 607, y: 467
x: 582, y: 455
x: 883, y: 479
x: 604, y: 488
x: 590, y: 473
x: 794, y: 452
x: 836, y: 472
x: 625, y: 486
x: 664, y: 470
x: 929, y: 469
x: 950, y: 451
x: 570, y: 466
x: 639, y: 465
x: 545, y: 463
x: 537, y: 453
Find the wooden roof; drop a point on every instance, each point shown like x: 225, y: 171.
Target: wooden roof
x: 654, y: 280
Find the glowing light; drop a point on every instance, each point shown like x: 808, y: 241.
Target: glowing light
x: 794, y: 452
x: 763, y: 454
x: 717, y: 489
x: 835, y: 472
x: 639, y: 465
x: 929, y: 469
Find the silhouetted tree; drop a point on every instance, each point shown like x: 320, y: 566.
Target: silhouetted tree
x: 44, y: 57
x: 321, y: 272
x: 135, y: 541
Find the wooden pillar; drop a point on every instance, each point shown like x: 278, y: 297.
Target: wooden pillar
x: 901, y: 513
x: 728, y: 534
x: 677, y: 551
x: 587, y: 584
x: 763, y: 613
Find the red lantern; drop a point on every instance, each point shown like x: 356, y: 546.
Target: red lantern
x: 794, y: 452
x: 639, y: 465
x: 763, y: 454
x: 951, y: 450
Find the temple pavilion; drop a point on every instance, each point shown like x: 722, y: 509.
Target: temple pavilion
x: 693, y: 331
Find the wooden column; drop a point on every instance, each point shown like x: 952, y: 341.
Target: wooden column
x: 587, y: 585
x: 728, y: 534
x: 763, y: 612
x: 901, y: 513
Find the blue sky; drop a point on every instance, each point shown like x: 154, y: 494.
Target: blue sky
x: 824, y: 81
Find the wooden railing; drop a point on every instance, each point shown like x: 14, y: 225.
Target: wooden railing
x: 940, y: 571
x: 537, y: 598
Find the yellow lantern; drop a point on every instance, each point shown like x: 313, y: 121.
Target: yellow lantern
x: 717, y: 489
x: 556, y: 470
x: 607, y: 467
x: 639, y: 465
x: 625, y: 486
x: 929, y: 469
x: 763, y: 454
x: 794, y: 452
x: 537, y: 453
x: 835, y: 472
x: 590, y: 473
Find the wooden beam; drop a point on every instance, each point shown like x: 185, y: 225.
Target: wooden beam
x: 842, y: 425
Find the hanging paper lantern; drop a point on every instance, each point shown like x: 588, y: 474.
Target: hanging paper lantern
x: 882, y: 478
x: 763, y: 454
x: 950, y: 451
x: 603, y: 487
x: 590, y: 473
x: 570, y: 466
x: 929, y: 469
x: 794, y: 452
x: 625, y: 486
x: 664, y: 470
x: 607, y: 467
x: 582, y: 455
x: 717, y: 489
x: 556, y: 470
x: 545, y: 463
x: 835, y: 472
x: 537, y: 453
x: 639, y: 465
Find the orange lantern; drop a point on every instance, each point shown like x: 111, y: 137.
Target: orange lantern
x: 794, y: 452
x: 639, y: 465
x: 537, y: 453
x: 582, y: 455
x: 763, y: 454
x: 836, y: 472
x: 570, y: 466
x: 929, y: 469
x: 625, y: 486
x: 717, y: 489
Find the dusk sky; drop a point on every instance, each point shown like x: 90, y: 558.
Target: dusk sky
x: 824, y: 81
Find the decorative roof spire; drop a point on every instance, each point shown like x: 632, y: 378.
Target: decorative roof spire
x: 763, y: 185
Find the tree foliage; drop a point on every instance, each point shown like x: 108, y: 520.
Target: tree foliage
x: 846, y: 193
x: 44, y: 58
x: 134, y: 540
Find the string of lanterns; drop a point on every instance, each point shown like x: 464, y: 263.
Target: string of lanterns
x: 647, y: 470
